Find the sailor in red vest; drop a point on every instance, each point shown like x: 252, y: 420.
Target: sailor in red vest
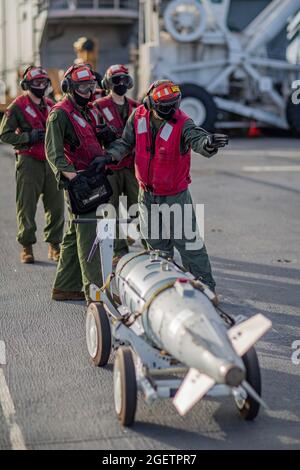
x: 23, y: 126
x: 163, y: 137
x: 72, y: 147
x: 115, y: 109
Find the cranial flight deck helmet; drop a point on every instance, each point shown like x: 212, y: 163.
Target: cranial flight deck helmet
x: 164, y: 97
x: 35, y: 77
x: 117, y: 75
x: 79, y: 78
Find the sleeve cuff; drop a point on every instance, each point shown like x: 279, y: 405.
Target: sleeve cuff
x: 209, y: 152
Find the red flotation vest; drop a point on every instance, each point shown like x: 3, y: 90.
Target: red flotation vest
x: 167, y: 171
x: 89, y: 147
x: 37, y: 120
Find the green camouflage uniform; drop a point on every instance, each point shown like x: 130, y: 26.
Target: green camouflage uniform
x: 34, y: 178
x: 73, y: 271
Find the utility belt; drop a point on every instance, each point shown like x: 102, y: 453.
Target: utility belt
x: 99, y: 192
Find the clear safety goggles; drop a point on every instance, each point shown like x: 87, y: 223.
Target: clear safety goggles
x: 86, y: 87
x: 40, y: 82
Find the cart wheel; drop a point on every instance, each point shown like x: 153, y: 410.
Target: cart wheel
x: 248, y: 407
x: 98, y: 334
x: 125, y: 389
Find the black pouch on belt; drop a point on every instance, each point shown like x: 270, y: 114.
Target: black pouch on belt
x: 99, y: 192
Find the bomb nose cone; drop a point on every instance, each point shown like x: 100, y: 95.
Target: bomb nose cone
x: 233, y: 375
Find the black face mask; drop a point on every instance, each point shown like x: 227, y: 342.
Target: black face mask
x: 80, y: 100
x: 168, y: 116
x: 120, y: 90
x: 38, y: 92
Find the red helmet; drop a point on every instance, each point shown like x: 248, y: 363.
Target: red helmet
x: 164, y: 97
x: 80, y: 73
x: 35, y: 73
x: 117, y: 75
x: 80, y: 78
x: 34, y: 77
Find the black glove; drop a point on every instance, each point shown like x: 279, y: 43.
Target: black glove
x: 100, y: 162
x: 81, y: 186
x: 37, y: 135
x: 105, y: 135
x: 216, y: 141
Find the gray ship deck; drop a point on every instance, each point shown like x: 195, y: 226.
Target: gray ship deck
x: 252, y: 234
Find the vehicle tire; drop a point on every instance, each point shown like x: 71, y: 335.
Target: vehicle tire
x: 98, y: 334
x: 249, y: 407
x: 293, y: 116
x: 199, y: 105
x: 125, y: 387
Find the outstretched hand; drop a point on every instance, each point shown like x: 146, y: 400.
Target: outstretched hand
x: 216, y: 141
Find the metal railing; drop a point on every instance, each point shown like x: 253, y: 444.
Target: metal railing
x: 87, y: 4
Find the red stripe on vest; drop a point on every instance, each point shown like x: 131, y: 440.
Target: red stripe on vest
x: 36, y: 120
x: 110, y: 113
x: 167, y: 172
x: 89, y: 147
